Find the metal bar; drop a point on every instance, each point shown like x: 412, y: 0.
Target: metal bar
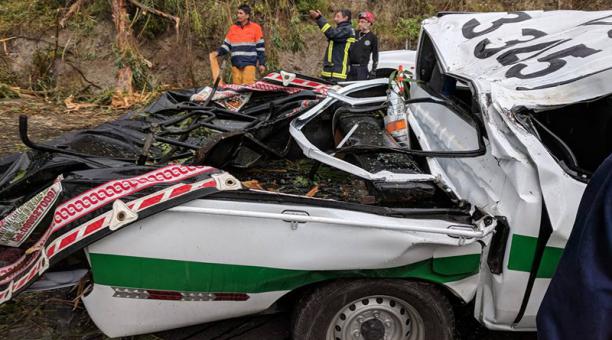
x: 263, y: 146
x: 216, y: 84
x: 355, y: 101
x: 191, y: 128
x: 348, y: 135
x: 303, y: 219
x: 179, y: 119
x: 25, y: 139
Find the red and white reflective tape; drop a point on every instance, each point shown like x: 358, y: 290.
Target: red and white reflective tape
x: 316, y: 86
x: 106, y: 193
x: 5, y: 295
x: 103, y: 221
x: 262, y: 86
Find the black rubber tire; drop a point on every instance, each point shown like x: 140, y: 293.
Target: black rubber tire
x: 314, y: 312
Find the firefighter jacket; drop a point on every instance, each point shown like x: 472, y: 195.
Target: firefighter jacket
x: 336, y: 58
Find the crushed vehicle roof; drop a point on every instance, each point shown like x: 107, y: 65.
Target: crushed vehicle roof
x: 530, y: 59
x: 163, y: 156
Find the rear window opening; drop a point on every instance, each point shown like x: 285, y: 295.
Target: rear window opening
x: 442, y: 85
x: 578, y: 135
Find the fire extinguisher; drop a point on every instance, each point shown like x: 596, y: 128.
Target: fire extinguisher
x: 396, y: 120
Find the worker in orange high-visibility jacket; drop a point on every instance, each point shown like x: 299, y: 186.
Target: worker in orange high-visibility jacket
x: 245, y: 44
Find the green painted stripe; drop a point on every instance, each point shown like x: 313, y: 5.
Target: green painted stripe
x: 163, y: 274
x: 455, y: 265
x: 522, y: 251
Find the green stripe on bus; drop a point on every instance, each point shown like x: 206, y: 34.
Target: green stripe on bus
x: 522, y: 250
x: 453, y: 265
x: 163, y: 274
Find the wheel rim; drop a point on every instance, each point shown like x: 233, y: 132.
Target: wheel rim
x: 377, y: 317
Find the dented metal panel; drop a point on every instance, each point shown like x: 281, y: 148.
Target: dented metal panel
x: 534, y: 59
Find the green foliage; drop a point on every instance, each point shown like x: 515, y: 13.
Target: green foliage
x: 301, y: 181
x: 7, y: 92
x: 103, y: 98
x: 41, y: 72
x: 295, y: 36
x: 146, y: 25
x: 85, y: 20
x: 35, y: 15
x: 7, y: 76
x: 141, y: 77
x: 203, y: 25
x: 99, y: 9
x: 408, y: 29
x: 303, y: 6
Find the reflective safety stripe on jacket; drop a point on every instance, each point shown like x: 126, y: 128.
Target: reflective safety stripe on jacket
x: 245, y: 44
x: 336, y: 60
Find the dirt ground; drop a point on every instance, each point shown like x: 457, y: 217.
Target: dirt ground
x: 46, y: 120
x: 54, y: 315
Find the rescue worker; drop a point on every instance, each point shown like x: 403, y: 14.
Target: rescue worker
x: 366, y: 45
x: 245, y: 43
x: 578, y: 302
x: 340, y: 38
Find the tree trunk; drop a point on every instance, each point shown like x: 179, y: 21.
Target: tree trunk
x: 123, y: 42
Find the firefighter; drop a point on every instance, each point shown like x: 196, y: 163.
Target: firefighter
x: 340, y: 38
x: 366, y: 45
x: 245, y: 43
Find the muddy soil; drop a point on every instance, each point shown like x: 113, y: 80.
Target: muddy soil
x: 46, y: 120
x: 46, y: 315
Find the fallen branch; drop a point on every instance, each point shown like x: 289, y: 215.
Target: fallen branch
x: 7, y: 91
x: 65, y: 47
x: 38, y: 40
x: 72, y: 10
x: 83, y: 75
x: 71, y: 105
x: 148, y: 9
x: 3, y: 41
x: 122, y: 100
x: 22, y: 91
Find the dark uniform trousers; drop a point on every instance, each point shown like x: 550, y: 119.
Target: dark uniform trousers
x: 358, y: 72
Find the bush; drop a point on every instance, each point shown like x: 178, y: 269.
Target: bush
x: 408, y: 29
x: 303, y: 6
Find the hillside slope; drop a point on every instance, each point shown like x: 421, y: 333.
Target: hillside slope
x: 80, y: 57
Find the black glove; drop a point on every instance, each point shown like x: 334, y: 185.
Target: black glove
x: 372, y: 74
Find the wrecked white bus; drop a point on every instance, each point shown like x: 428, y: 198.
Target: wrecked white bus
x: 505, y: 117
